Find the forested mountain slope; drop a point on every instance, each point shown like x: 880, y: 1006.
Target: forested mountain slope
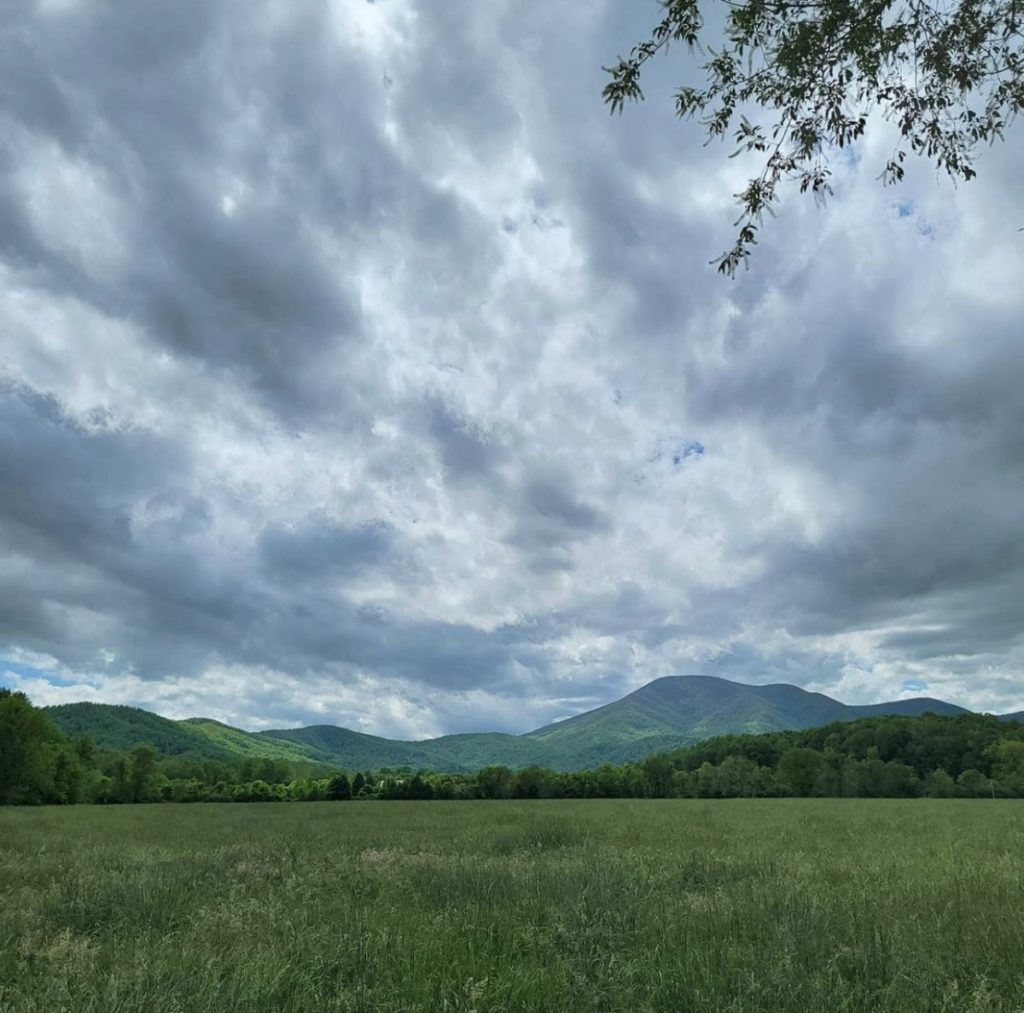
x: 665, y: 714
x: 115, y: 727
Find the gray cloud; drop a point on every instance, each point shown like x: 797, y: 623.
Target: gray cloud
x: 357, y: 361
x: 324, y: 546
x: 466, y: 453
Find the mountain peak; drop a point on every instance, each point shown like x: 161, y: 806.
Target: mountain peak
x: 668, y: 712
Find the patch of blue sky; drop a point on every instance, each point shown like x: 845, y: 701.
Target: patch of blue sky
x: 909, y: 209
x: 686, y: 450
x: 23, y: 671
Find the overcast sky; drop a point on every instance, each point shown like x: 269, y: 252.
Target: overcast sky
x: 357, y: 367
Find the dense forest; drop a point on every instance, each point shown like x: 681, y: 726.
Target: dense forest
x: 968, y: 755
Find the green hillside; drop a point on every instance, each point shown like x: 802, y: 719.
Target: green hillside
x: 680, y: 710
x: 473, y: 750
x: 239, y: 743
x: 663, y: 715
x: 910, y: 708
x: 116, y: 727
x: 349, y: 749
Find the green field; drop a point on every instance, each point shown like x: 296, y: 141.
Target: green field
x: 775, y: 905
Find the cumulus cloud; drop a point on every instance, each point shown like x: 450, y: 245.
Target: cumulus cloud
x: 358, y: 368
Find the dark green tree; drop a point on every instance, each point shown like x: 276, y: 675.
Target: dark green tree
x: 800, y: 769
x: 339, y: 789
x: 85, y: 749
x: 974, y: 783
x: 532, y: 782
x: 872, y: 770
x: 608, y: 781
x: 29, y: 746
x: 67, y: 778
x: 899, y: 781
x: 658, y: 771
x: 938, y: 784
x: 740, y: 777
x: 143, y: 774
x: 705, y: 782
x: 120, y: 774
x: 1008, y: 766
x: 851, y: 778
x: 949, y: 76
x: 417, y: 788
x: 494, y: 782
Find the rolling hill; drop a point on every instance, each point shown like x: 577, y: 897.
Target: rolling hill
x: 239, y: 743
x: 349, y: 749
x: 910, y: 708
x: 116, y: 727
x: 664, y: 714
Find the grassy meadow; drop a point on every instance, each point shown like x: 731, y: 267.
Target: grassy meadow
x: 775, y: 905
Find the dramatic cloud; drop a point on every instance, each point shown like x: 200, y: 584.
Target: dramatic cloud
x: 357, y: 367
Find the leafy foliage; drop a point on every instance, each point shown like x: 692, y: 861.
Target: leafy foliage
x: 949, y: 75
x: 943, y: 756
x: 235, y: 742
x: 35, y: 764
x: 117, y: 727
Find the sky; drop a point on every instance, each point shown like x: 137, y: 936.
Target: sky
x: 357, y: 367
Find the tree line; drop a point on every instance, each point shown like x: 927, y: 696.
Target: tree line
x: 970, y: 755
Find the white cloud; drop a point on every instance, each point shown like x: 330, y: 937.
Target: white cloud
x: 397, y: 267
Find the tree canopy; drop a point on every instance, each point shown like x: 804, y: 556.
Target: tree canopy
x: 943, y: 756
x: 797, y: 80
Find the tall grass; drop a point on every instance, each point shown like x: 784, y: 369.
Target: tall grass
x: 775, y: 905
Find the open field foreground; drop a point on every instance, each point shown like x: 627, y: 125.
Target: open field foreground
x: 595, y: 905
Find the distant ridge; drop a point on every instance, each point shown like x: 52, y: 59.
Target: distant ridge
x: 666, y: 713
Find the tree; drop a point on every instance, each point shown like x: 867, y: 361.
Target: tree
x: 851, y: 778
x: 704, y: 781
x: 444, y: 786
x: 494, y: 782
x: 938, y: 784
x: 829, y: 782
x: 85, y: 750
x: 339, y: 789
x: 658, y: 771
x: 899, y: 781
x: 417, y: 788
x: 29, y: 745
x: 799, y: 769
x: 872, y: 774
x: 120, y: 788
x: 608, y: 781
x: 143, y: 773
x: 949, y: 76
x: 738, y: 777
x: 531, y: 782
x: 682, y: 784
x: 253, y: 791
x: 1008, y: 766
x: 974, y: 783
x: 67, y: 778
x: 270, y: 770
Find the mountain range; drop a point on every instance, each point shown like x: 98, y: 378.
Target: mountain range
x: 666, y: 713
